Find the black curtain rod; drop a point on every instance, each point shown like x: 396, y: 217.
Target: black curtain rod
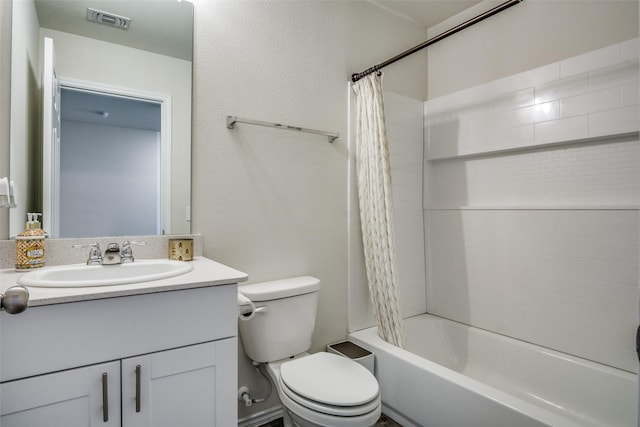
x: 357, y: 76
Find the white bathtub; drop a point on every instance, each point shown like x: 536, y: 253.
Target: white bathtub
x: 456, y: 375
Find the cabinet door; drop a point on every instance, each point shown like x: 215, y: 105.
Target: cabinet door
x: 73, y: 398
x: 192, y: 386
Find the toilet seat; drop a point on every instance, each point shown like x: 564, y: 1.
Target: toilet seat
x: 331, y: 410
x: 305, y: 416
x: 330, y: 384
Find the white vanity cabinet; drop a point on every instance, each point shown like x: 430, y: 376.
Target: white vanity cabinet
x: 165, y: 358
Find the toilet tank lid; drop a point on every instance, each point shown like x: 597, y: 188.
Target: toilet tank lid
x: 283, y: 288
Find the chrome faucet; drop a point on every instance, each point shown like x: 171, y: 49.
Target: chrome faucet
x: 112, y: 255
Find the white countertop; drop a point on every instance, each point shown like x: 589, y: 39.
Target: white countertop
x: 205, y: 272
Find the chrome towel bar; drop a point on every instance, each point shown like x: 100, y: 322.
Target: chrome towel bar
x: 232, y: 120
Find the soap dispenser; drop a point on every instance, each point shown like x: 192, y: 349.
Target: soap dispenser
x: 30, y: 244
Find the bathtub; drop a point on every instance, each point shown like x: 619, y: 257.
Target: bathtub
x: 456, y: 375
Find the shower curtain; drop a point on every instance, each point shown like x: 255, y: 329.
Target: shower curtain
x: 376, y: 208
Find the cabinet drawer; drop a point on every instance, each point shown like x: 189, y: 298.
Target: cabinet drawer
x: 62, y: 336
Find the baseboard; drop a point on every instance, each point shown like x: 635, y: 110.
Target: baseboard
x: 262, y: 417
x: 397, y: 417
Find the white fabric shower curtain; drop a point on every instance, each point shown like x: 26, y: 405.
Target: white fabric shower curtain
x: 376, y: 208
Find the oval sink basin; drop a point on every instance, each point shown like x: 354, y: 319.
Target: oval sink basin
x: 80, y: 276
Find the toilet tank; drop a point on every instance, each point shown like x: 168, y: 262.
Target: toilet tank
x: 284, y: 320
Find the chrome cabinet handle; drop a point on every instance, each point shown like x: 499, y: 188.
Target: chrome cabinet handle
x: 138, y: 394
x: 105, y: 398
x: 14, y: 300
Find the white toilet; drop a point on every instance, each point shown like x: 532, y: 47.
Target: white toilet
x: 320, y: 389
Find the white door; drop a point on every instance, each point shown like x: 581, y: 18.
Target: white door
x: 191, y: 386
x: 50, y: 141
x: 74, y: 398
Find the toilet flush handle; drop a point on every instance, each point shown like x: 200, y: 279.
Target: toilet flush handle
x: 250, y: 315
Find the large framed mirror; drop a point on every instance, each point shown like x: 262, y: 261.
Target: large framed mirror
x: 115, y: 62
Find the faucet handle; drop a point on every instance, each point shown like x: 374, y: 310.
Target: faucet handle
x: 126, y: 255
x: 95, y: 254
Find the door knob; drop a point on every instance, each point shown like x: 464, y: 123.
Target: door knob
x: 14, y: 300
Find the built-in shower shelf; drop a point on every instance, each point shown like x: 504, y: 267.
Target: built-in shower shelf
x: 538, y: 207
x: 613, y: 137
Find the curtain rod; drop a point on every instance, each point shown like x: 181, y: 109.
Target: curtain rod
x: 357, y: 76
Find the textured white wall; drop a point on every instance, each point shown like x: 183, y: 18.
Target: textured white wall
x: 274, y: 203
x: 5, y: 107
x: 25, y: 109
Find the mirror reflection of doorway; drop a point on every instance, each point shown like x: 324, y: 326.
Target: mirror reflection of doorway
x: 110, y: 165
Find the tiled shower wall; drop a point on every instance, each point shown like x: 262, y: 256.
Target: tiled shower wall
x: 532, y: 190
x: 577, y: 175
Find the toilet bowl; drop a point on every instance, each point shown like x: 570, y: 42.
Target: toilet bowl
x: 328, y: 390
x: 321, y: 389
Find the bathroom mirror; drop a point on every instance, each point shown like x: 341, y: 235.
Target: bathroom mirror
x: 138, y: 49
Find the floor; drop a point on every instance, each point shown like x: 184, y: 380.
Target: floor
x: 384, y: 421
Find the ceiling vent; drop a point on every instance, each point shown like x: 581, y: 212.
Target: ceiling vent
x: 108, y: 18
